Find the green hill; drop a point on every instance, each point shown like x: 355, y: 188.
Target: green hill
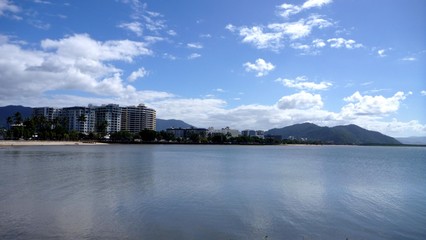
x: 349, y: 134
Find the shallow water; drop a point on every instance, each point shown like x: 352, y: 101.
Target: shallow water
x: 212, y: 192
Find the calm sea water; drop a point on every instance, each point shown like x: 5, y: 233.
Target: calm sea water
x: 212, y: 192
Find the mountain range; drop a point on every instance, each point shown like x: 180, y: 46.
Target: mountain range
x: 349, y: 134
x: 342, y: 135
x: 9, y: 111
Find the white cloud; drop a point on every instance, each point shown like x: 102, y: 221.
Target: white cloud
x: 194, y: 56
x: 291, y: 109
x: 82, y: 46
x: 302, y: 83
x: 286, y: 10
x: 135, y: 27
x: 318, y: 43
x: 74, y: 63
x: 409, y: 59
x: 52, y: 75
x: 343, y: 43
x: 372, y: 105
x: 144, y: 19
x: 39, y: 24
x: 300, y: 46
x: 381, y: 52
x: 301, y: 28
x: 7, y: 6
x: 301, y: 100
x: 260, y: 39
x: 273, y: 35
x: 261, y: 67
x: 169, y: 56
x: 315, y: 3
x: 140, y: 73
x: 42, y: 2
x: 195, y: 45
x: 207, y: 35
x: 172, y: 32
x: 423, y: 93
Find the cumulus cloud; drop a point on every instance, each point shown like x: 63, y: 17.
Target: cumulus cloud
x: 290, y: 109
x: 372, y: 105
x: 63, y: 71
x: 81, y: 46
x: 74, y: 63
x: 274, y: 35
x: 381, y: 52
x: 260, y: 39
x: 302, y: 83
x: 423, y: 93
x: 7, y: 6
x: 315, y: 3
x: 286, y: 10
x: 302, y: 100
x: 343, y: 43
x: 261, y: 67
x: 140, y: 73
x: 318, y: 43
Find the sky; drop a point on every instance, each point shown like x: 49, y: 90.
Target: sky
x: 244, y: 64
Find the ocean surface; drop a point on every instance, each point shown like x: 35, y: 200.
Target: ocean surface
x: 212, y: 192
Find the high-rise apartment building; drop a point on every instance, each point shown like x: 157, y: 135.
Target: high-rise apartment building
x: 49, y: 113
x: 137, y: 118
x: 106, y: 118
x: 111, y: 115
x: 81, y: 119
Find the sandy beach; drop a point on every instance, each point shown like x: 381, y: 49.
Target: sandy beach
x: 46, y: 143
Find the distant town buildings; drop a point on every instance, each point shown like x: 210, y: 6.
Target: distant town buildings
x: 253, y: 133
x: 225, y: 131
x: 108, y: 119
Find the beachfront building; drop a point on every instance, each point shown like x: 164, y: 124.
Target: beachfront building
x: 137, y: 118
x: 49, y: 113
x: 109, y: 115
x: 225, y: 131
x: 253, y: 133
x: 185, y: 133
x: 80, y: 119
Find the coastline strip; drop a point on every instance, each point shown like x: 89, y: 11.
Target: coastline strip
x: 47, y: 143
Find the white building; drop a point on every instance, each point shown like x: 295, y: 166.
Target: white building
x: 111, y: 115
x: 49, y: 113
x: 224, y: 131
x: 80, y: 119
x: 137, y: 118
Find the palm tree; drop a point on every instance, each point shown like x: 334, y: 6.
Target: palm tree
x: 81, y: 119
x: 17, y: 118
x: 9, y: 121
x: 102, y: 127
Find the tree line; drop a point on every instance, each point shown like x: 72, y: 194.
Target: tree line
x: 41, y: 128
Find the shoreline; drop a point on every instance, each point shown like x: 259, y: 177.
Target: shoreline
x: 11, y: 143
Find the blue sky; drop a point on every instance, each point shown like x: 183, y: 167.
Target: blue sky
x: 244, y: 64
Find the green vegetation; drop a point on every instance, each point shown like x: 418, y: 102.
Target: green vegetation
x: 342, y: 135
